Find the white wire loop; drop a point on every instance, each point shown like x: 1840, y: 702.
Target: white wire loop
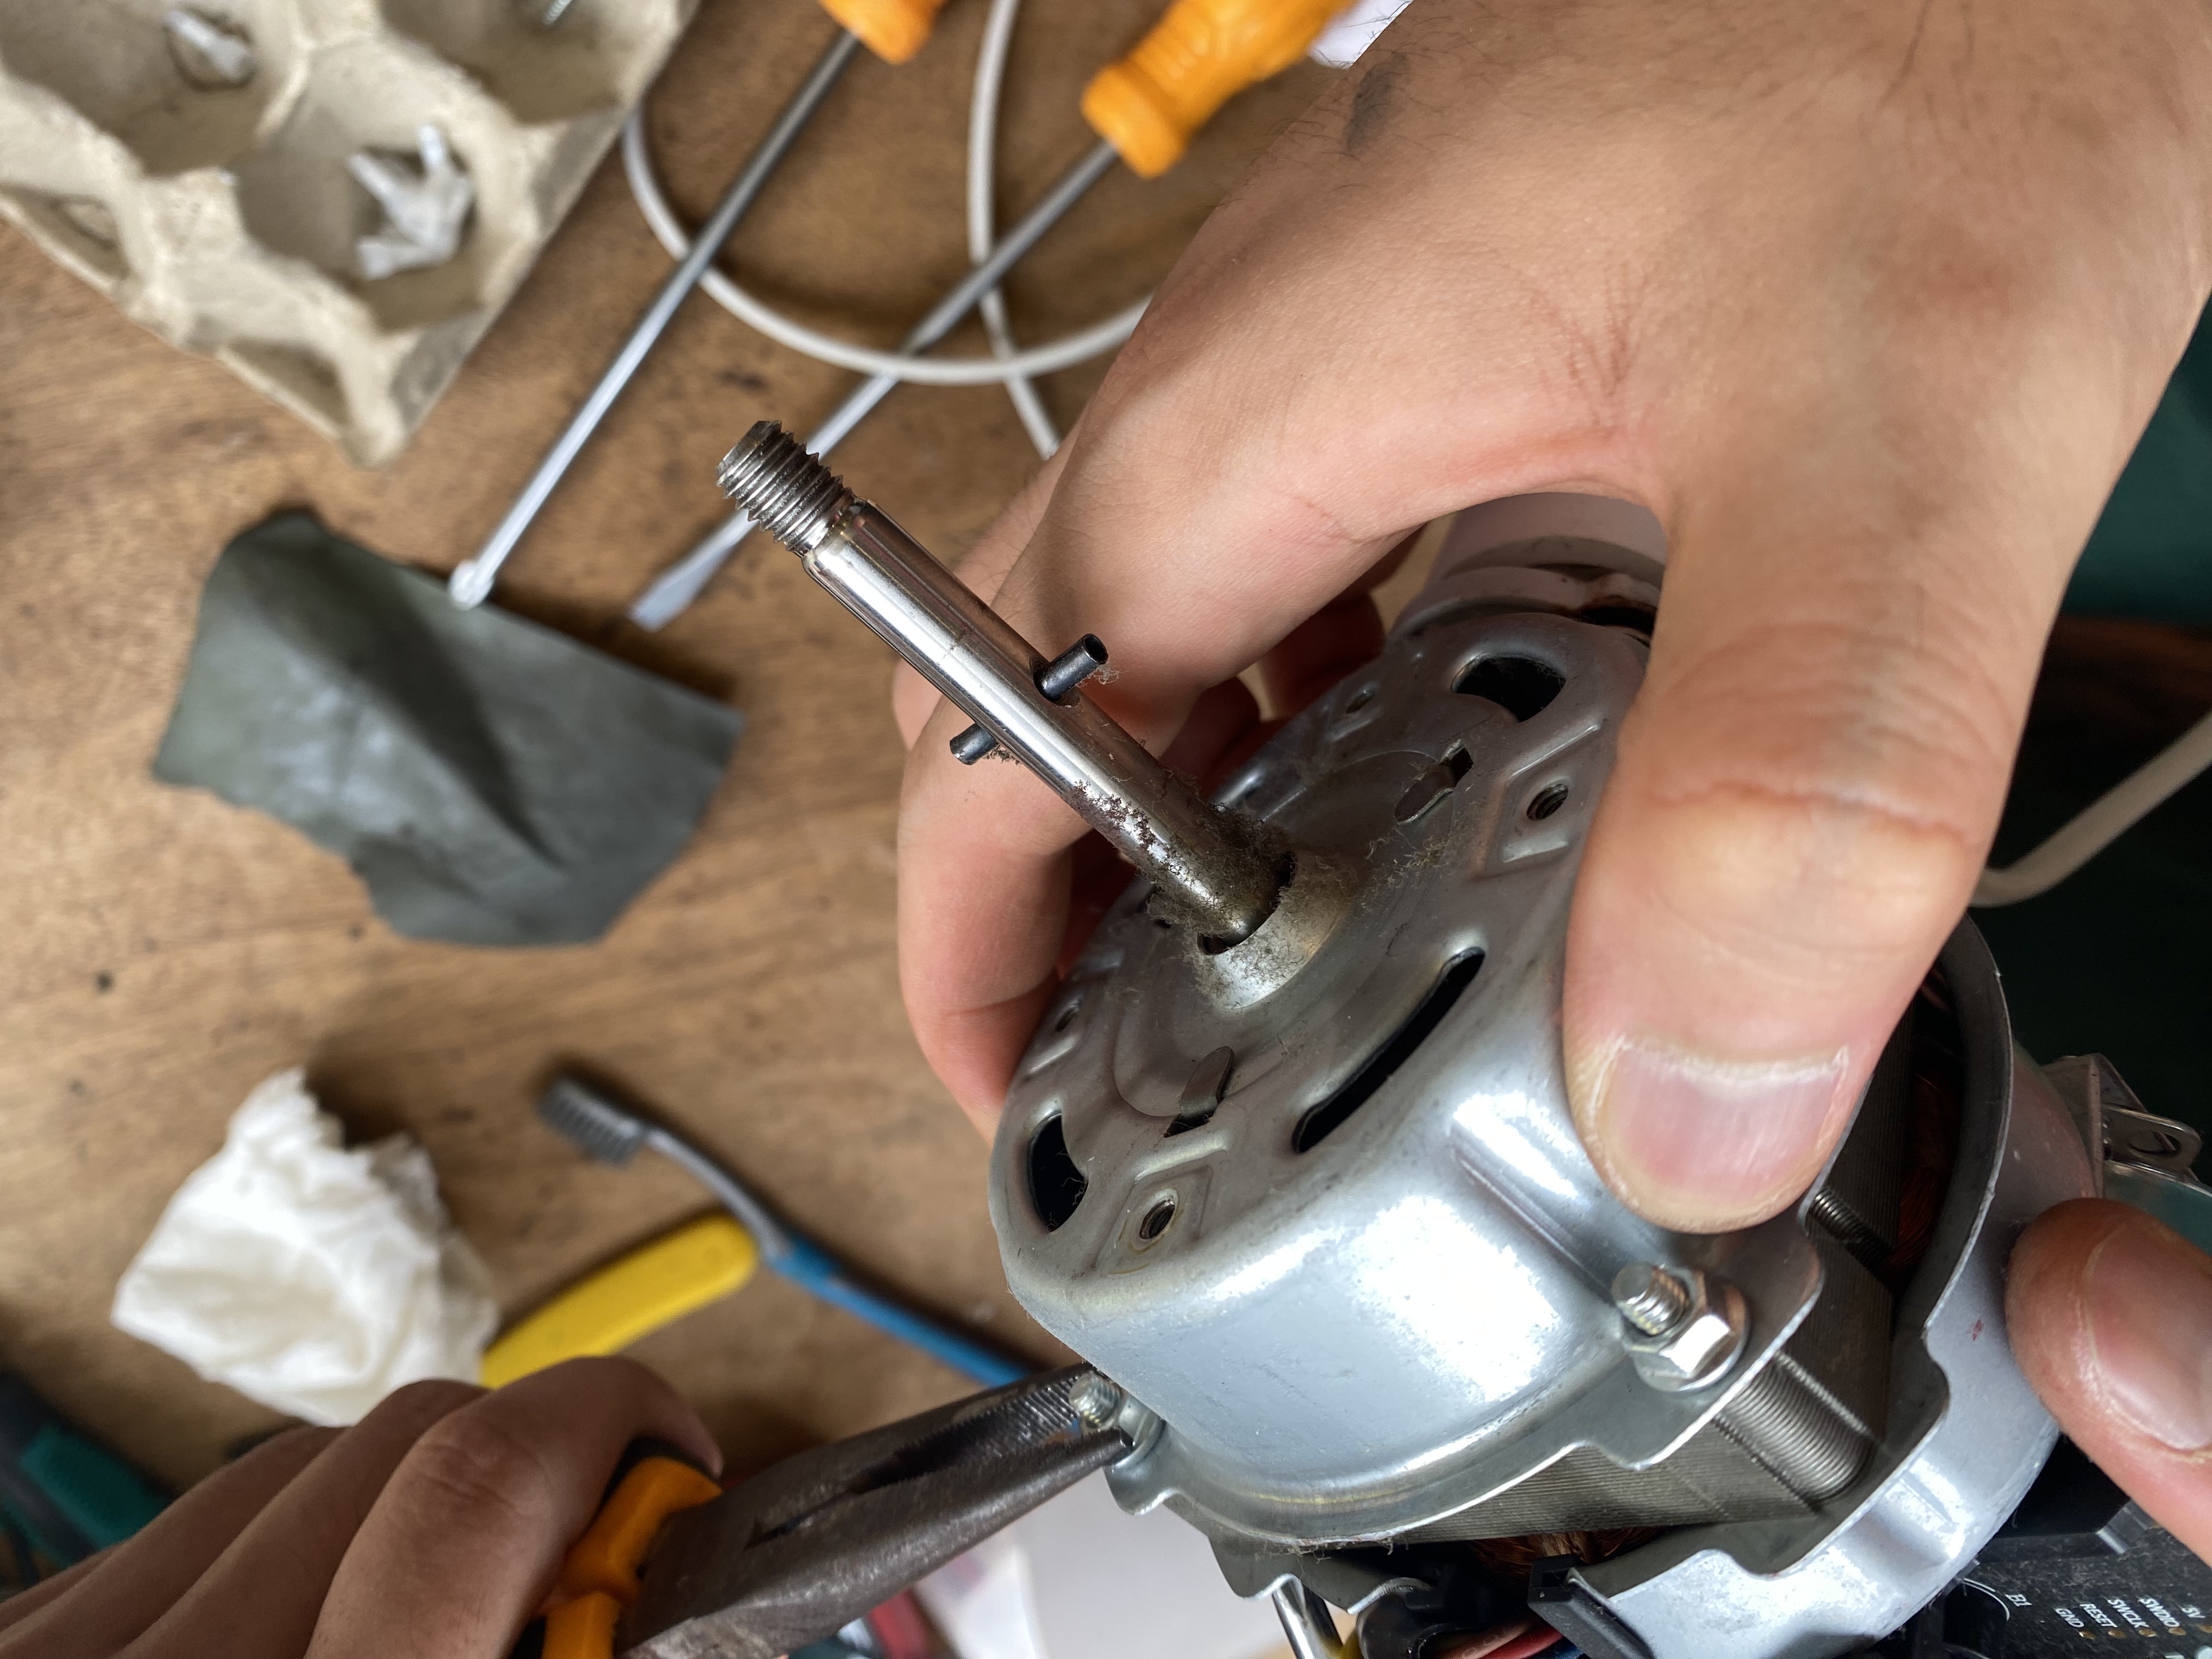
x: 2101, y: 823
x: 982, y: 189
x: 756, y: 314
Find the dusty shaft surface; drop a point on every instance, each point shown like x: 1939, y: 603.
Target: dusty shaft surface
x: 1201, y: 860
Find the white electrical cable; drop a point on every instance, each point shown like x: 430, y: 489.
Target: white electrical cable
x: 1065, y: 353
x: 2103, y: 822
x: 983, y: 187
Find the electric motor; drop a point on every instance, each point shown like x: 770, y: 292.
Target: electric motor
x: 1289, y: 1158
x: 1318, y: 1201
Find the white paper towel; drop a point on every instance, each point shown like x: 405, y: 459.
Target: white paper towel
x: 311, y: 1279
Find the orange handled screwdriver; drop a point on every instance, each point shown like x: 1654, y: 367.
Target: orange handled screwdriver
x: 894, y: 30
x: 1145, y: 109
x: 1150, y: 104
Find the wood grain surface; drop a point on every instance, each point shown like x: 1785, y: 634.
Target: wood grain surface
x: 162, y: 952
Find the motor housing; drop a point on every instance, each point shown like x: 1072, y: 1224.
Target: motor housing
x: 1316, y: 1200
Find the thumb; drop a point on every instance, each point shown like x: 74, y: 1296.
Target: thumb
x: 2110, y: 1315
x: 1806, y: 788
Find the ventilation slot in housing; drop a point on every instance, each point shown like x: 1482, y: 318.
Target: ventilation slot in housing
x: 1351, y: 1095
x: 1056, y: 1186
x: 1521, y: 686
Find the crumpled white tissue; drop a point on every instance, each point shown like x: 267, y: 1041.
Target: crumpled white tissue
x: 311, y: 1279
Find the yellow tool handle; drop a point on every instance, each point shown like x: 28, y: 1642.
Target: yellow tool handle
x: 892, y: 29
x: 1150, y: 104
x: 608, y: 1310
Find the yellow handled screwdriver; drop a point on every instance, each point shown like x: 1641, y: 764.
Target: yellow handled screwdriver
x: 1145, y: 109
x: 605, y: 1311
x: 666, y: 1278
x: 894, y: 30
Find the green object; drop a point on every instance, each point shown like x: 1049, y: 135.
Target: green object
x: 63, y: 1495
x: 2150, y: 554
x: 103, y: 1497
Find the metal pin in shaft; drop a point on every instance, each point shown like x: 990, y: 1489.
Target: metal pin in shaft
x: 1198, y: 857
x: 1056, y: 680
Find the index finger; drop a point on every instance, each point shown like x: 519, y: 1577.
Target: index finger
x: 468, y: 1533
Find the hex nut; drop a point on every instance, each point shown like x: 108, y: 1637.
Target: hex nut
x: 1699, y: 1348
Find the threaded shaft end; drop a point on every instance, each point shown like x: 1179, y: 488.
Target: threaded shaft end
x: 1650, y: 1298
x: 781, y: 487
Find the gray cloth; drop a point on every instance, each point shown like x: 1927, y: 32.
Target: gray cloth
x: 493, y: 781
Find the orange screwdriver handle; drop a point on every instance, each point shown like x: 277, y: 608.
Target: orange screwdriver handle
x: 892, y: 29
x: 1150, y: 104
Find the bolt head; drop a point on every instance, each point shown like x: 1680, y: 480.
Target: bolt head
x: 1699, y: 1348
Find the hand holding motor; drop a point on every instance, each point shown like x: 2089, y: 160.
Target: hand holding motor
x: 1869, y: 304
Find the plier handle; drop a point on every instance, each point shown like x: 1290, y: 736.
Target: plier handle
x: 673, y: 1568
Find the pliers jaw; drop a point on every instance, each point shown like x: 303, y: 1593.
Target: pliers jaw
x: 803, y: 1549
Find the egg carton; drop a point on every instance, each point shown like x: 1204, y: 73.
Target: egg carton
x: 331, y: 197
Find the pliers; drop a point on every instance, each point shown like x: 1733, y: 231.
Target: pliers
x: 672, y: 1567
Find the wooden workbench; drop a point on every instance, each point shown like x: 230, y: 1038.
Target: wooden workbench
x: 162, y: 952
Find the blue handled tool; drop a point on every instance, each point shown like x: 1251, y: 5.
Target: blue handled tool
x: 612, y: 1133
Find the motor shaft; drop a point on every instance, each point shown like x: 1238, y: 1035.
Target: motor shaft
x: 677, y: 587
x: 1201, y: 861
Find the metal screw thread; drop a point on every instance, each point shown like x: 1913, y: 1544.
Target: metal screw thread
x: 1095, y: 1401
x: 1650, y: 1298
x: 781, y: 487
